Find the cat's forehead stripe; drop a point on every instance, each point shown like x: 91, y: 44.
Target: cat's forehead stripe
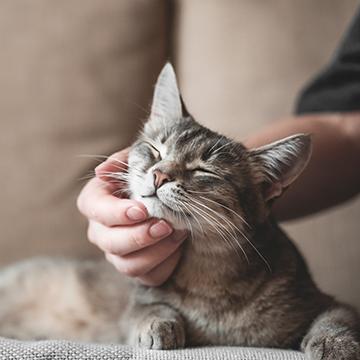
x: 188, y: 136
x: 162, y: 149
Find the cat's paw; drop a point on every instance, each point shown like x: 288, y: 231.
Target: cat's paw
x: 160, y: 334
x: 340, y: 347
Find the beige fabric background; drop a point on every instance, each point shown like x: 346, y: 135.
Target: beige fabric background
x: 241, y: 65
x: 76, y: 78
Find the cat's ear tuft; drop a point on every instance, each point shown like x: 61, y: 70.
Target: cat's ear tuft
x: 167, y: 103
x: 278, y: 164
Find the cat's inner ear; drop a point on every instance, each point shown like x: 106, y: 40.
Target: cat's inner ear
x: 278, y: 164
x: 167, y: 104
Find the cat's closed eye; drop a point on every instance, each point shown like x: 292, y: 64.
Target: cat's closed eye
x: 154, y: 151
x: 200, y: 171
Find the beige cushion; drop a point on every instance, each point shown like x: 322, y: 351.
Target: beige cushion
x: 241, y: 64
x: 75, y: 79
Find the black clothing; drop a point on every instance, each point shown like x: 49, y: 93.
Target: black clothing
x: 337, y: 87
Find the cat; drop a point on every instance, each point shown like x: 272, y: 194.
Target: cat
x: 240, y: 280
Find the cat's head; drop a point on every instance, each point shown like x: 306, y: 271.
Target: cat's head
x: 196, y: 178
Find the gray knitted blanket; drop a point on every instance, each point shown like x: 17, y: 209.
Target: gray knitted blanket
x: 65, y: 350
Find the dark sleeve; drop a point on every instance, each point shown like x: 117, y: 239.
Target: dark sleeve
x: 337, y: 87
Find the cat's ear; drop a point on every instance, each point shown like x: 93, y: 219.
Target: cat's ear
x: 278, y: 164
x: 167, y: 104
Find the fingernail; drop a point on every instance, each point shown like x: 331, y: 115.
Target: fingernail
x: 136, y: 214
x: 160, y: 229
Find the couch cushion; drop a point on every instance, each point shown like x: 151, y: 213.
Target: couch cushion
x: 64, y: 350
x: 75, y: 79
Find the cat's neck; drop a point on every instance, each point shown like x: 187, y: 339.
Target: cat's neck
x: 201, y: 268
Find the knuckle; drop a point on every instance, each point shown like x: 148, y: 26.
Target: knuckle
x: 109, y: 259
x: 140, y: 240
x: 130, y: 271
x: 91, y: 234
x: 105, y: 220
x: 94, y: 214
x: 80, y: 203
x: 108, y: 244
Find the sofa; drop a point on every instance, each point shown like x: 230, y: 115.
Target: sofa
x: 76, y: 82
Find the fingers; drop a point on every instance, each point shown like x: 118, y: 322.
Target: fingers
x: 162, y: 272
x: 122, y: 240
x: 140, y: 263
x: 135, y: 245
x: 96, y: 203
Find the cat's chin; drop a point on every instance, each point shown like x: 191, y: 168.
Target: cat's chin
x: 157, y: 209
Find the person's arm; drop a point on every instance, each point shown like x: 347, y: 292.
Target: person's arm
x: 333, y: 174
x: 329, y: 108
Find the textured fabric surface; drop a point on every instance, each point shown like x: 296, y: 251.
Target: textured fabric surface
x: 61, y: 350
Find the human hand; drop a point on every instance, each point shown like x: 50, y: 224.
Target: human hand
x: 138, y: 246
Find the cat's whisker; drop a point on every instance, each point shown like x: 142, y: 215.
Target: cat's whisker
x: 109, y: 157
x: 197, y: 192
x: 218, y: 230
x: 193, y: 215
x: 118, y: 161
x: 211, y: 223
x: 185, y: 218
x: 87, y: 176
x: 215, y: 225
x: 121, y: 180
x: 222, y: 227
x: 213, y: 211
x: 227, y: 208
x: 120, y: 168
x: 121, y: 191
x: 216, y: 143
x: 230, y: 223
x: 221, y: 153
x: 115, y: 173
x: 113, y: 177
x: 234, y: 234
x: 222, y: 146
x: 104, y: 157
x: 97, y: 157
x: 124, y: 176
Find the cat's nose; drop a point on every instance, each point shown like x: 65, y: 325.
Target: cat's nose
x: 160, y: 178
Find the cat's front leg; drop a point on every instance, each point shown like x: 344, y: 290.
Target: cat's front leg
x: 156, y: 326
x: 334, y: 335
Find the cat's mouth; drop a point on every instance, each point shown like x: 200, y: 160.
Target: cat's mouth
x: 164, y: 206
x: 149, y: 196
x: 160, y: 201
x: 155, y: 197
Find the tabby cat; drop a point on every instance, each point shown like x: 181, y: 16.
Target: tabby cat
x: 240, y: 280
